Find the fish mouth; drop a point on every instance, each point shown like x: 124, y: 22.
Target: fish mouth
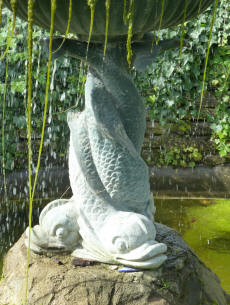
x: 149, y: 255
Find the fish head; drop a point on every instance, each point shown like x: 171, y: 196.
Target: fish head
x: 130, y: 239
x: 57, y: 230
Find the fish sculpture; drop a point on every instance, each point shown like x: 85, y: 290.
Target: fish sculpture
x: 110, y: 216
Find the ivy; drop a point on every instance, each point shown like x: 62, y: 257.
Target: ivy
x: 219, y: 75
x: 177, y: 156
x: 171, y: 86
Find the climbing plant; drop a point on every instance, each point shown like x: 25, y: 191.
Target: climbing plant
x: 175, y: 97
x: 219, y: 75
x: 170, y: 86
x: 173, y: 83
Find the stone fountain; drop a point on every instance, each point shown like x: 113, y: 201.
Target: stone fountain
x: 109, y: 219
x: 110, y: 216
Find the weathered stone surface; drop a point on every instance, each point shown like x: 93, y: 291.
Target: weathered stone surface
x: 161, y: 139
x: 191, y: 182
x: 202, y: 181
x: 183, y: 280
x: 166, y: 141
x: 192, y: 128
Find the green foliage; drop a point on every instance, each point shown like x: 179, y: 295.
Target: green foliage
x: 179, y: 156
x: 219, y: 75
x: 173, y: 83
x: 165, y: 285
x: 170, y: 86
x: 2, y: 277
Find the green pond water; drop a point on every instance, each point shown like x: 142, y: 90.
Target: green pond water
x: 204, y: 224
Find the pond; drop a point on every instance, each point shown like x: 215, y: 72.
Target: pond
x: 204, y: 224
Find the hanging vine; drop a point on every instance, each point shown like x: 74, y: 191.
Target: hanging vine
x: 107, y: 8
x: 68, y: 26
x: 4, y: 114
x: 182, y: 27
x: 161, y: 19
x: 28, y: 112
x: 1, y: 4
x: 207, y: 55
x: 92, y: 5
x: 30, y: 44
x: 200, y: 4
x: 125, y: 13
x: 13, y: 4
x: 53, y: 10
x: 129, y: 19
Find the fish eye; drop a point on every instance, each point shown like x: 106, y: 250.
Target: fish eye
x: 120, y: 245
x: 60, y: 231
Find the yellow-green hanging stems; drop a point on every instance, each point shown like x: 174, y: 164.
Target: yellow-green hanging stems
x: 130, y: 16
x: 30, y: 55
x: 107, y: 7
x: 1, y: 4
x: 92, y: 5
x: 182, y: 27
x: 13, y: 4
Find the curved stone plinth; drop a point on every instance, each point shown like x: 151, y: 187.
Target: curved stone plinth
x: 182, y: 280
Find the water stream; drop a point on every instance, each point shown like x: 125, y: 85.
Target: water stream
x: 204, y: 224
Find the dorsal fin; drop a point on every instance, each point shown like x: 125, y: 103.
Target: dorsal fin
x: 53, y: 204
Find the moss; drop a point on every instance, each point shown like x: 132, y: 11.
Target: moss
x: 200, y: 4
x: 4, y: 114
x: 1, y: 3
x: 92, y: 5
x: 161, y: 18
x: 68, y: 25
x: 53, y: 10
x: 69, y: 19
x: 107, y: 7
x: 30, y: 54
x: 130, y: 18
x: 125, y: 12
x: 182, y: 27
x: 30, y: 42
x: 13, y: 4
x: 207, y: 55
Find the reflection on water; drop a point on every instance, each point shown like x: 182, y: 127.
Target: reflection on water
x: 204, y: 224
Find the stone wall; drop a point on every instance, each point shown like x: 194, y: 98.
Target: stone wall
x: 209, y: 177
x: 163, y: 144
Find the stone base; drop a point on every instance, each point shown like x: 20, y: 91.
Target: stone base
x: 183, y: 280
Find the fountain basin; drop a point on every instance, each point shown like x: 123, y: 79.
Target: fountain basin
x: 147, y: 16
